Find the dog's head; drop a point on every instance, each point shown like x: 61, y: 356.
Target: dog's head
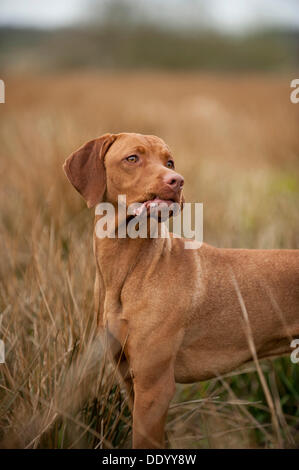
x: 138, y: 166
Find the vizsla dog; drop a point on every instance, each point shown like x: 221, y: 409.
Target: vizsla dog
x: 172, y: 314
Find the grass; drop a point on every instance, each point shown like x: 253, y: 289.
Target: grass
x: 236, y: 142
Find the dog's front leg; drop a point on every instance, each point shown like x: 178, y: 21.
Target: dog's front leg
x: 152, y: 350
x: 152, y: 397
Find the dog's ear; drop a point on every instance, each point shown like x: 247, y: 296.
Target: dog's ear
x: 85, y: 168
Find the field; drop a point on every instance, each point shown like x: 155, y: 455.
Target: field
x: 236, y: 141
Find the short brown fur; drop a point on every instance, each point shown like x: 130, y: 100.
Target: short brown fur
x: 170, y: 314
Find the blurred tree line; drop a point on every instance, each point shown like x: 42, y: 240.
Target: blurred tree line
x: 118, y: 34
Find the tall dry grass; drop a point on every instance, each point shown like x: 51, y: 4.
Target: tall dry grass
x: 236, y: 141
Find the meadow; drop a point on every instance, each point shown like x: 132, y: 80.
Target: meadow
x: 235, y: 139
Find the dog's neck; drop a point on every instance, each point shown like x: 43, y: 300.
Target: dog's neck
x: 126, y: 252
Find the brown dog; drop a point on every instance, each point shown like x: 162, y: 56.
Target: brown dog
x: 170, y: 314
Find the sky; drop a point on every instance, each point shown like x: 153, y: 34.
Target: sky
x: 225, y: 15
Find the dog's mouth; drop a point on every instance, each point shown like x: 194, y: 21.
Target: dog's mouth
x: 154, y: 205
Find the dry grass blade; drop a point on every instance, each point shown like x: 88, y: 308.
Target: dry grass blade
x: 253, y: 352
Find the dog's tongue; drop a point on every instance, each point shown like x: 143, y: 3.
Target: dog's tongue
x: 157, y: 202
x: 151, y: 204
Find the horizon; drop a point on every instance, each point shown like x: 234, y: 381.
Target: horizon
x: 234, y: 17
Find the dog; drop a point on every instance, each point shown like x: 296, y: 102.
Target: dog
x: 170, y: 314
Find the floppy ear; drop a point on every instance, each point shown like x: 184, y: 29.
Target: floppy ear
x: 85, y: 169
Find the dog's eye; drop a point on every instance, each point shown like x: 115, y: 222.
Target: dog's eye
x: 132, y: 159
x: 170, y: 164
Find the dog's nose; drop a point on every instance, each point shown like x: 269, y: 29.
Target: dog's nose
x: 174, y: 181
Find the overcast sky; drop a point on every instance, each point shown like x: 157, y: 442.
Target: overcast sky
x: 228, y: 15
